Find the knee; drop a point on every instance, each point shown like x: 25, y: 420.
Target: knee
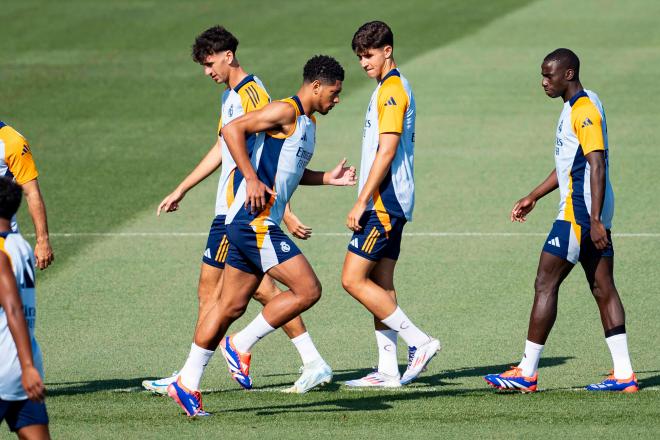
x: 350, y: 283
x: 233, y: 311
x: 544, y: 286
x: 312, y: 294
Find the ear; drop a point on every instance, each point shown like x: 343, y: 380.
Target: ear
x: 229, y: 56
x: 316, y: 86
x: 387, y: 51
x: 569, y: 75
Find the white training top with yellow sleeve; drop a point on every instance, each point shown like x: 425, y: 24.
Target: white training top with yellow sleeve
x: 249, y: 95
x: 20, y: 254
x: 16, y: 160
x: 581, y: 129
x: 391, y: 110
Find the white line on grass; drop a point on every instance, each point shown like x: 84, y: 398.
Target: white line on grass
x: 335, y: 234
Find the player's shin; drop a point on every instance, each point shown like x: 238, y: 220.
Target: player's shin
x: 252, y: 333
x: 399, y: 322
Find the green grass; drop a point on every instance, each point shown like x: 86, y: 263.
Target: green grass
x: 117, y: 114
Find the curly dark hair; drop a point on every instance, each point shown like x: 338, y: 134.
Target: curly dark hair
x: 213, y: 40
x: 372, y: 35
x: 323, y: 68
x: 10, y: 197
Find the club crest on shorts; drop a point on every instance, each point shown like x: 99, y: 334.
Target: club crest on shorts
x: 285, y: 246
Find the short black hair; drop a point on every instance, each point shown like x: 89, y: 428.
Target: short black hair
x: 372, y: 35
x: 213, y: 40
x: 323, y: 68
x: 10, y: 197
x: 566, y: 58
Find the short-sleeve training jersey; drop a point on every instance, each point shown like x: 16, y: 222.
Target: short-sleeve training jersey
x: 249, y: 95
x: 20, y: 254
x: 279, y: 161
x: 16, y: 160
x: 581, y: 129
x: 391, y: 110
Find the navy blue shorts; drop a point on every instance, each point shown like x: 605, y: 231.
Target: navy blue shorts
x: 573, y: 243
x: 21, y: 413
x: 256, y: 250
x: 379, y: 238
x: 217, y: 244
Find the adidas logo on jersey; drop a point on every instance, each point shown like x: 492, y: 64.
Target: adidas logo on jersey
x: 587, y: 122
x: 355, y: 243
x: 390, y: 101
x: 26, y: 150
x: 207, y: 253
x: 554, y: 242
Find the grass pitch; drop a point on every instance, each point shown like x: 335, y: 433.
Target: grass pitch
x: 117, y: 114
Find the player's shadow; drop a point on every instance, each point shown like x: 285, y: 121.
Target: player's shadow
x: 648, y: 382
x: 94, y: 386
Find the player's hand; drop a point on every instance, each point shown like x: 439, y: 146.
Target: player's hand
x: 171, y: 202
x: 256, y: 197
x: 522, y: 207
x: 353, y: 219
x: 43, y: 253
x: 296, y: 227
x: 599, y: 235
x: 342, y: 175
x: 33, y: 385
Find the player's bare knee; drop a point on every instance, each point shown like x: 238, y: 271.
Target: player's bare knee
x: 350, y: 283
x: 544, y: 285
x: 310, y: 294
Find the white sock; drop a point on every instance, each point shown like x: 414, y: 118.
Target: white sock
x: 306, y: 348
x: 387, y: 362
x: 193, y: 370
x: 257, y: 329
x: 398, y: 321
x: 620, y: 358
x: 530, y: 359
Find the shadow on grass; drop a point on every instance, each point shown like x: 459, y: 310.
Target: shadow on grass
x: 94, y: 386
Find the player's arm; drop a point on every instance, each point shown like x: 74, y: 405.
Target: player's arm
x: 276, y: 117
x: 587, y: 124
x: 294, y: 225
x: 340, y: 175
x: 598, y: 232
x: 525, y: 205
x: 204, y: 168
x: 11, y: 303
x: 387, y: 146
x: 43, y: 252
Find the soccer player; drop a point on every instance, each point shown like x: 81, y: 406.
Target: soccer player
x: 257, y: 245
x: 21, y: 368
x: 215, y: 49
x: 16, y: 162
x: 581, y: 232
x: 385, y: 203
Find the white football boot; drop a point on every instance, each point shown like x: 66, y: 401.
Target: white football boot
x: 159, y: 386
x: 419, y: 358
x: 375, y: 379
x: 314, y: 374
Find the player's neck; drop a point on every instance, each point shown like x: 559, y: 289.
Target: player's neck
x: 236, y: 75
x: 5, y: 225
x: 572, y: 90
x: 389, y: 65
x: 306, y: 100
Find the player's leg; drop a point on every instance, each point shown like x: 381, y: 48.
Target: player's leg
x: 552, y: 270
x: 315, y: 369
x: 209, y: 289
x: 34, y: 432
x: 599, y: 271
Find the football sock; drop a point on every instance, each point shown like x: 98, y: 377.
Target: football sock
x: 530, y: 359
x: 257, y: 329
x: 193, y: 369
x: 618, y: 345
x: 387, y: 363
x: 306, y: 348
x: 398, y: 321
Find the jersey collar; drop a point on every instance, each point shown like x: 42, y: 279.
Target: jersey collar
x: 577, y: 96
x: 6, y: 233
x: 393, y: 72
x: 2, y: 124
x: 299, y: 104
x: 246, y: 80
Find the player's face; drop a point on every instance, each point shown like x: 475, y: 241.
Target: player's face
x: 373, y: 61
x: 328, y: 96
x: 216, y: 66
x: 554, y: 79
